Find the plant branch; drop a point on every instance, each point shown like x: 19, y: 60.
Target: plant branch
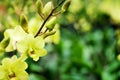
x: 48, y: 18
x: 46, y: 30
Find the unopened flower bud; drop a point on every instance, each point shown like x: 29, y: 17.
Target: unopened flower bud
x: 24, y: 22
x: 48, y: 8
x: 66, y: 5
x: 39, y: 6
x: 51, y: 23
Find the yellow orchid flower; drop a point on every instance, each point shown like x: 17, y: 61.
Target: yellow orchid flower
x: 14, y: 35
x: 13, y: 69
x: 34, y: 47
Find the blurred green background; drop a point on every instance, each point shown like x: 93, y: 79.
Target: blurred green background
x: 89, y: 45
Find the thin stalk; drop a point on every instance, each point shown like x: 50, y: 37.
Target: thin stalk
x: 48, y: 18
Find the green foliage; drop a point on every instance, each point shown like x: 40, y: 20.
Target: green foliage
x: 89, y: 38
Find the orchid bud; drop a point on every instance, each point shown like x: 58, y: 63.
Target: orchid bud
x: 48, y: 8
x: 24, y: 22
x: 51, y: 23
x: 39, y: 6
x: 66, y: 5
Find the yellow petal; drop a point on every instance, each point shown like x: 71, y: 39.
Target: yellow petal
x: 39, y: 42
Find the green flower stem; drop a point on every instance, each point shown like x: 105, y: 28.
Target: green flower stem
x: 48, y: 18
x: 48, y: 34
x: 46, y: 30
x: 44, y: 23
x: 54, y: 14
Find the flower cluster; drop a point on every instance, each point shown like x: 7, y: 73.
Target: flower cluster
x: 29, y: 39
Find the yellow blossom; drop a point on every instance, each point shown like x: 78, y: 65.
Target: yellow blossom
x: 14, y: 35
x: 34, y: 47
x: 13, y: 69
